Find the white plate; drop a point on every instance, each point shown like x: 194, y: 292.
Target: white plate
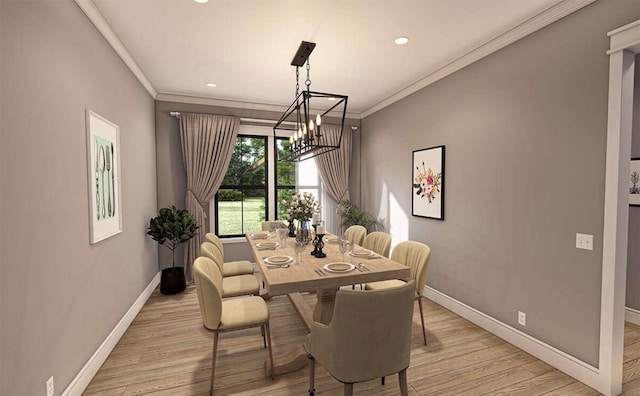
x: 362, y: 253
x: 278, y: 260
x: 332, y: 239
x: 267, y: 245
x: 260, y: 235
x: 339, y: 267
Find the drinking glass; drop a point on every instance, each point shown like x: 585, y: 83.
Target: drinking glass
x: 299, y: 249
x: 343, y: 246
x: 282, y: 236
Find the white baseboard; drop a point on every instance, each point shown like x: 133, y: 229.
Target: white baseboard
x: 632, y: 316
x: 86, y: 374
x: 576, y: 368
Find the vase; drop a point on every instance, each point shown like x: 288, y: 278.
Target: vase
x: 304, y: 233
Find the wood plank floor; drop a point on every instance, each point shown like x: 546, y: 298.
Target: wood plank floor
x: 166, y: 351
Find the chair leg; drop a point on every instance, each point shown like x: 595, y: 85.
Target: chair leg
x: 348, y: 389
x: 264, y: 339
x: 424, y: 332
x: 312, y: 375
x: 213, y: 360
x: 382, y: 380
x: 268, y: 333
x: 402, y: 378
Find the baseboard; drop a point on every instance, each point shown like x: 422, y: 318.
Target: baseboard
x: 86, y: 374
x: 576, y: 368
x: 632, y: 316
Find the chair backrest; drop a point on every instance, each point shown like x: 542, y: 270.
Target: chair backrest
x: 369, y: 335
x: 379, y: 242
x: 355, y: 234
x: 208, y: 280
x: 210, y: 251
x: 213, y: 238
x: 414, y: 255
x: 267, y: 225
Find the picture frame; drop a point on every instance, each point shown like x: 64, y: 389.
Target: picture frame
x: 103, y: 166
x: 634, y: 182
x: 428, y: 183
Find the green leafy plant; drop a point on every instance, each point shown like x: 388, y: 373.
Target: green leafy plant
x: 172, y: 227
x: 352, y: 215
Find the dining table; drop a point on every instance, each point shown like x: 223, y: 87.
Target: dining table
x: 283, y: 274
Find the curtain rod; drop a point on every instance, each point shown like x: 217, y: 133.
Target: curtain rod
x: 252, y: 120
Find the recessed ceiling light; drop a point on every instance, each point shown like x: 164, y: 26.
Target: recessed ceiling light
x: 201, y: 1
x: 211, y: 85
x: 401, y: 40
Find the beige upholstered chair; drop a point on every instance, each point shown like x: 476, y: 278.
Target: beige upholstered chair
x: 238, y: 285
x: 233, y: 314
x: 375, y: 345
x: 379, y: 242
x: 355, y: 234
x: 266, y: 225
x: 414, y: 255
x: 230, y: 268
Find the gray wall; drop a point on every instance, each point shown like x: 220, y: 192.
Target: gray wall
x: 61, y: 296
x: 633, y: 257
x: 525, y: 136
x: 171, y: 174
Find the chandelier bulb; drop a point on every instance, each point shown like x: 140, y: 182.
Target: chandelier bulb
x: 311, y: 126
x: 318, y: 120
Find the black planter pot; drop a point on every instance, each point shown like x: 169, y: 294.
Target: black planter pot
x: 172, y: 281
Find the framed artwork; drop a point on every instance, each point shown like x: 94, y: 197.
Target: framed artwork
x: 634, y: 182
x: 428, y: 183
x: 103, y: 164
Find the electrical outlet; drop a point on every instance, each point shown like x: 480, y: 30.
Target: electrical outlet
x: 50, y: 386
x: 584, y: 241
x: 522, y: 318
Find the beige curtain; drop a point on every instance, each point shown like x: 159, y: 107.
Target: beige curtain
x: 334, y: 165
x: 207, y: 144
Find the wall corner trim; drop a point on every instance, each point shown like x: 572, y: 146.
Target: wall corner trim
x: 564, y: 362
x: 526, y: 28
x: 112, y: 38
x: 86, y: 374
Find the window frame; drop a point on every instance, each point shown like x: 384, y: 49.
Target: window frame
x: 263, y: 131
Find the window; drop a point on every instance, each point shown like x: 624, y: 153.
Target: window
x: 259, y: 177
x: 241, y: 201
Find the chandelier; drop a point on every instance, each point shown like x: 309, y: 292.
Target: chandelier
x: 303, y: 120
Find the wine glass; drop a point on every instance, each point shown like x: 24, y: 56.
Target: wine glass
x: 343, y: 246
x: 299, y: 249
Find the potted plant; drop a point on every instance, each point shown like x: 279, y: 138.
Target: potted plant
x: 171, y: 228
x: 352, y: 215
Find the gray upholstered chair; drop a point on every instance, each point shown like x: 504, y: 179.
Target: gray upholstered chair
x: 379, y: 242
x: 234, y: 314
x: 414, y: 255
x: 232, y: 286
x: 375, y: 345
x: 355, y: 234
x: 229, y: 268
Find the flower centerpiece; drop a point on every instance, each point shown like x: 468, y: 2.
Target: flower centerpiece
x: 301, y: 208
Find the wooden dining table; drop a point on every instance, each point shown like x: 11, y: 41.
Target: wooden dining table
x: 312, y: 275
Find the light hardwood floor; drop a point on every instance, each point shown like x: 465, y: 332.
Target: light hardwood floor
x: 166, y: 351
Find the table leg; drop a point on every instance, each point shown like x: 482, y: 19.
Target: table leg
x: 296, y: 359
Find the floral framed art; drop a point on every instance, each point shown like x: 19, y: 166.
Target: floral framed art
x: 428, y: 183
x: 634, y: 182
x: 103, y: 164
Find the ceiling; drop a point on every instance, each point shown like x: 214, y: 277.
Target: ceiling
x: 246, y: 46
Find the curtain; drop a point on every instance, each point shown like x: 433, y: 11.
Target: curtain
x: 334, y: 166
x: 207, y: 144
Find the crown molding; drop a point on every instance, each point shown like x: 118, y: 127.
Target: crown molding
x: 532, y: 25
x: 180, y: 98
x: 112, y: 38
